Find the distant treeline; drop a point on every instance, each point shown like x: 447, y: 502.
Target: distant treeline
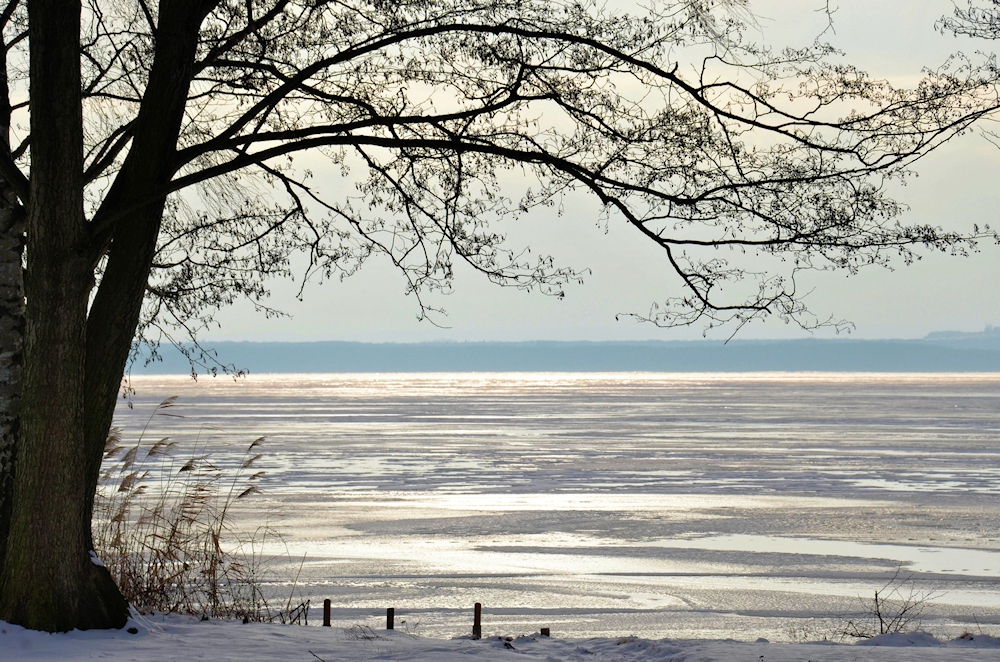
x: 956, y: 353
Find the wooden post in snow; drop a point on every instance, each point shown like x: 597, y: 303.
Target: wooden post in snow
x: 477, y: 622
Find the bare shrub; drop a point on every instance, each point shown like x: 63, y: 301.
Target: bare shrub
x: 896, y: 607
x: 162, y: 527
x: 358, y: 632
x: 409, y: 629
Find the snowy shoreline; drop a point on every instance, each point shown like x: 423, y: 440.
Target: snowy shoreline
x: 163, y: 639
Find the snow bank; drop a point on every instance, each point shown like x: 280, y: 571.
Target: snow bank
x: 179, y: 638
x: 976, y: 641
x: 900, y: 639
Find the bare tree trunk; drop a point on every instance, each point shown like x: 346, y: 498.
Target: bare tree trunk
x: 111, y: 327
x: 48, y: 580
x: 114, y: 314
x: 11, y: 349
x: 11, y: 318
x: 74, y: 365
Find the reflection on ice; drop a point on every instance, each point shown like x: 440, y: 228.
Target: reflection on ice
x: 577, y: 501
x: 944, y: 560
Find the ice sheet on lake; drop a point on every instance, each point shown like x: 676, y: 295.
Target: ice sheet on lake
x: 668, y: 505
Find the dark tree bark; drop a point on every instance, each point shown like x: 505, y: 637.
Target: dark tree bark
x: 49, y: 581
x: 114, y: 314
x: 11, y: 348
x: 11, y: 319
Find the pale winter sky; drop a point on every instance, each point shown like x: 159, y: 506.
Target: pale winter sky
x: 957, y: 186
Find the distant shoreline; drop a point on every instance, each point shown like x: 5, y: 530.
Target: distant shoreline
x: 971, y: 353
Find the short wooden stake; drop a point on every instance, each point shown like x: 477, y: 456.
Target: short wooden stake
x: 477, y: 622
x: 326, y: 613
x: 390, y: 618
x: 545, y: 632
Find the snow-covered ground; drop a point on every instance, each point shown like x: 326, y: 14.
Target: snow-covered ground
x: 183, y: 639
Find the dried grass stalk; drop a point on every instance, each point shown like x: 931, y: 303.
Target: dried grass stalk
x: 165, y: 533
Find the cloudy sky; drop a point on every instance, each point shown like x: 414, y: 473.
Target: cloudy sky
x: 957, y: 186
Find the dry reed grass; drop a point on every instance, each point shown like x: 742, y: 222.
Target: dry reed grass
x: 163, y: 528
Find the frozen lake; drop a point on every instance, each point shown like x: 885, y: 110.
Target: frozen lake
x: 681, y: 505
